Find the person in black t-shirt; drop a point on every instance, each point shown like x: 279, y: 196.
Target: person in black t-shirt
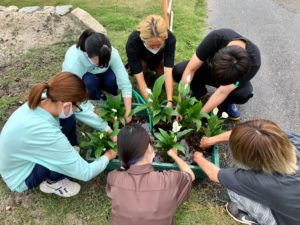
x: 227, y: 61
x: 265, y: 185
x: 151, y: 47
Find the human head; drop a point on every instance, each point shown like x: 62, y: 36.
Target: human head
x: 262, y: 146
x: 133, y: 144
x: 153, y: 31
x: 230, y: 64
x: 63, y: 87
x: 97, y: 47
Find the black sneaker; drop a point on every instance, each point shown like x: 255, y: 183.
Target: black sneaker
x: 239, y: 215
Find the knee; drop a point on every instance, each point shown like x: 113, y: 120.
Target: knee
x: 90, y: 82
x: 178, y: 71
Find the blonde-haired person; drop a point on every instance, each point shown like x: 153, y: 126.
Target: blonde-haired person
x: 151, y: 47
x: 33, y: 149
x: 264, y: 188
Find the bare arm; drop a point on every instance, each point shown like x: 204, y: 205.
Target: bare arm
x: 194, y: 64
x: 207, y: 142
x: 127, y: 104
x: 142, y: 86
x: 218, y: 97
x: 169, y: 85
x: 207, y: 167
x: 183, y: 166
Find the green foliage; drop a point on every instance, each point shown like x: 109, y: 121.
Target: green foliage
x: 169, y: 139
x: 189, y: 107
x: 214, y: 125
x: 154, y: 104
x: 113, y: 110
x: 100, y: 141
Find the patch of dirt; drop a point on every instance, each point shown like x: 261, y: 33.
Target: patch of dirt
x: 21, y: 32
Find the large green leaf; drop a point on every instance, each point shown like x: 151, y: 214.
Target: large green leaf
x: 138, y: 109
x: 182, y: 133
x: 179, y: 147
x: 157, y: 87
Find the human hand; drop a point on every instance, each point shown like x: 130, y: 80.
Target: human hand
x: 206, y: 142
x: 114, y: 138
x: 127, y: 117
x: 172, y: 152
x: 110, y: 154
x: 169, y: 104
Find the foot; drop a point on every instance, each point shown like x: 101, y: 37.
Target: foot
x: 238, y: 215
x: 62, y: 188
x: 232, y: 111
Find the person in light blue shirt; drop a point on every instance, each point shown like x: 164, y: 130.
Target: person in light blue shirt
x: 34, y: 151
x: 99, y: 65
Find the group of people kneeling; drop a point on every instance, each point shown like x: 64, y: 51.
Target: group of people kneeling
x: 37, y: 142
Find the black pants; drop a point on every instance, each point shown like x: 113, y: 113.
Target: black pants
x: 203, y: 77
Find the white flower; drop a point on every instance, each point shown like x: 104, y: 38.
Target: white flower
x: 149, y: 91
x: 101, y: 136
x: 215, y: 111
x: 176, y: 127
x: 115, y: 118
x: 188, y: 78
x: 224, y: 115
x: 83, y: 134
x: 114, y: 110
x: 150, y: 100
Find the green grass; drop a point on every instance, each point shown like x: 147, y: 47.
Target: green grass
x: 91, y: 206
x: 5, y: 102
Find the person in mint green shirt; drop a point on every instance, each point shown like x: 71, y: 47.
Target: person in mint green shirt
x: 34, y: 151
x: 100, y: 66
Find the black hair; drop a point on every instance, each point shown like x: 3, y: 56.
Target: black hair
x: 230, y: 64
x: 95, y: 44
x: 133, y: 141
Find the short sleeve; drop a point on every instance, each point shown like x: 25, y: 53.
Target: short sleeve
x: 247, y: 183
x: 132, y: 51
x: 209, y: 46
x: 184, y: 184
x: 169, y: 53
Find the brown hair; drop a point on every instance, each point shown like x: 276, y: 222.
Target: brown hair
x: 230, y: 64
x: 153, y: 26
x: 64, y: 87
x: 262, y: 146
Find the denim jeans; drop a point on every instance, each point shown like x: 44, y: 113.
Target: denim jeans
x: 96, y: 83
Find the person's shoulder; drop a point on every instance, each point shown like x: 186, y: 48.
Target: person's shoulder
x: 135, y: 35
x: 112, y: 176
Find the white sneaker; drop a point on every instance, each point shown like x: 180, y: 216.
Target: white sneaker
x: 63, y: 188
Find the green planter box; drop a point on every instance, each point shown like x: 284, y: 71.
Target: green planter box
x: 115, y: 164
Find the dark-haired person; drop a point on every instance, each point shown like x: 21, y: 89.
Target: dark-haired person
x: 34, y: 151
x: 139, y: 194
x: 152, y: 47
x: 225, y: 60
x: 100, y: 66
x: 264, y: 188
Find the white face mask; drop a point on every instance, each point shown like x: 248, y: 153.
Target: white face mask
x: 62, y: 113
x: 152, y: 50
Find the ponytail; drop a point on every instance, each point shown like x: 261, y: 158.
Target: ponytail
x: 82, y: 39
x: 95, y: 44
x: 35, y: 95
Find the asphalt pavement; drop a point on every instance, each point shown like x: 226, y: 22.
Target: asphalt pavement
x: 274, y: 26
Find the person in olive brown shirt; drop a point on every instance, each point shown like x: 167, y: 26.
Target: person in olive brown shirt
x: 139, y: 194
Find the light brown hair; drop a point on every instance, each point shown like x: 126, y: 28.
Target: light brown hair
x: 64, y: 87
x: 153, y: 26
x: 262, y: 146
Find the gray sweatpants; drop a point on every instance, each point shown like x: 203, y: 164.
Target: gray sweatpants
x: 261, y: 213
